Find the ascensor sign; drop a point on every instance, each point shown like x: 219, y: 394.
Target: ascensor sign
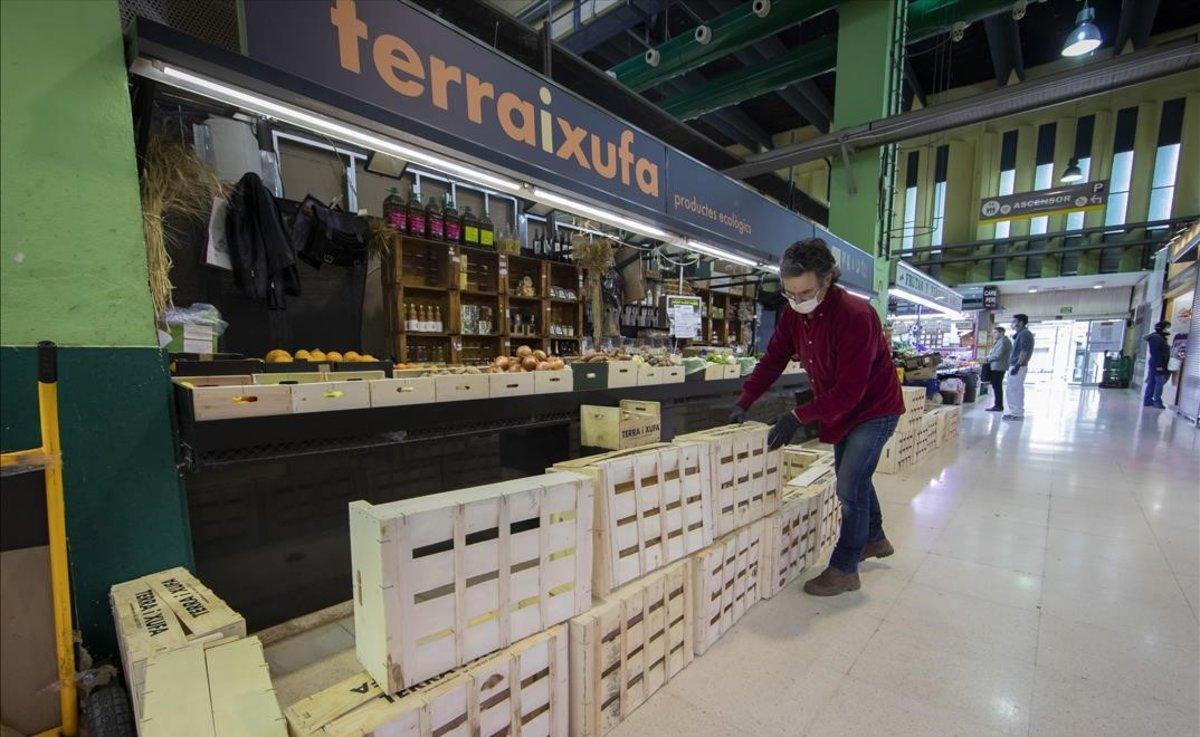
x: 398, y: 58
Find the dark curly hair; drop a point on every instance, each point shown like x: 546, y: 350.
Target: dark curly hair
x: 811, y: 254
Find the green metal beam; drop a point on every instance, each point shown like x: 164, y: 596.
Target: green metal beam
x: 729, y: 32
x: 926, y: 18
x: 805, y: 62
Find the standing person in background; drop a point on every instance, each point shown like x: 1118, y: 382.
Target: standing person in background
x: 856, y: 397
x: 1156, y: 365
x: 997, y: 360
x: 1018, y: 367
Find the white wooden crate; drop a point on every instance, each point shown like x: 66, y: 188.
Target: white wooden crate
x: 165, y: 611
x: 628, y: 646
x: 395, y: 392
x: 211, y: 690
x: 725, y: 583
x: 330, y: 396
x: 652, y: 508
x: 520, y: 690
x: 790, y: 537
x: 746, y: 477
x: 801, y: 466
x: 443, y: 579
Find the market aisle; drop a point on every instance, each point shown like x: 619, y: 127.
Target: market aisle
x: 1047, y: 582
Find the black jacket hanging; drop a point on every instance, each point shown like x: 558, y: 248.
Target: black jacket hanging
x: 264, y: 264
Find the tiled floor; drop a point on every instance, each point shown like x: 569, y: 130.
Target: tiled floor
x: 1047, y: 582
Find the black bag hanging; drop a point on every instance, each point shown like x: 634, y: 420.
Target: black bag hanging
x: 323, y: 235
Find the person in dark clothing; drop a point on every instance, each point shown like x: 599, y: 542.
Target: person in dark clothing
x: 997, y: 364
x: 1156, y: 365
x: 856, y: 397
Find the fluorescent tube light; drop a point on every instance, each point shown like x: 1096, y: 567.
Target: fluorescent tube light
x: 924, y: 302
x: 607, y: 216
x: 860, y: 295
x: 720, y: 253
x: 769, y: 267
x: 326, y: 126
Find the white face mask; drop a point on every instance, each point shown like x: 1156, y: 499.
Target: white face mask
x: 806, y: 306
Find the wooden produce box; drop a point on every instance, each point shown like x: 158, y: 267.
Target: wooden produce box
x: 672, y: 374
x: 631, y: 424
x: 290, y: 377
x: 215, y: 380
x: 590, y: 375
x: 394, y: 392
x: 801, y: 466
x: 732, y: 372
x: 745, y: 475
x: 625, y: 648
x: 791, y: 542
x: 511, y: 384
x: 714, y: 371
x: 652, y: 508
x: 898, y: 453
x: 360, y: 375
x: 914, y: 406
x: 219, y: 690
x: 649, y: 375
x: 165, y: 611
x: 725, y: 583
x: 443, y: 579
x: 461, y: 387
x: 236, y: 402
x: 331, y: 396
x: 553, y: 382
x: 622, y: 374
x: 829, y: 527
x: 520, y: 690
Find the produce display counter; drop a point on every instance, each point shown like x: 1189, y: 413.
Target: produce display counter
x: 268, y: 496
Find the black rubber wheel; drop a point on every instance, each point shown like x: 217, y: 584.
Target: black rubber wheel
x: 108, y: 713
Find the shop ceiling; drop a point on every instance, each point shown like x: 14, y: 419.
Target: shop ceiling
x: 757, y: 75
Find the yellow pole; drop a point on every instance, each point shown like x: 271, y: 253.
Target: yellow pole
x: 60, y: 581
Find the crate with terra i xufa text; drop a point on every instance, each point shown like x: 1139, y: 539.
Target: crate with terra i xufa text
x: 631, y: 424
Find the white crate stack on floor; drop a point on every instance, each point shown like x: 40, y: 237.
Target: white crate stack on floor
x: 927, y: 436
x: 790, y: 543
x: 443, y: 579
x: 829, y: 526
x: 914, y: 408
x: 950, y: 420
x: 745, y: 475
x: 725, y: 580
x: 165, y: 611
x: 628, y: 646
x: 898, y: 454
x: 652, y: 508
x: 521, y: 690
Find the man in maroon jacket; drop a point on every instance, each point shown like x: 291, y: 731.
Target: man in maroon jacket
x: 856, y: 397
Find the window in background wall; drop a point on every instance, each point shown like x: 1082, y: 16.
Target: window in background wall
x: 910, y: 200
x: 1166, y: 161
x: 941, y: 163
x: 1043, y: 175
x: 1008, y: 175
x: 1122, y: 167
x: 1084, y: 128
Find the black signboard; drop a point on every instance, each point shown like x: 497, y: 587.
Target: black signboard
x: 991, y: 297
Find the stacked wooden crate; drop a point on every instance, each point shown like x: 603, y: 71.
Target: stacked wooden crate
x: 950, y: 420
x: 829, y: 526
x: 652, y: 508
x: 928, y: 437
x: 210, y: 690
x: 627, y: 647
x: 745, y: 474
x: 790, y: 542
x: 725, y: 583
x: 521, y: 690
x: 914, y: 409
x: 162, y: 612
x: 898, y: 454
x: 443, y: 579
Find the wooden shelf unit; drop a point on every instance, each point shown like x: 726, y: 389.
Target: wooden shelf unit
x: 717, y: 330
x: 450, y: 276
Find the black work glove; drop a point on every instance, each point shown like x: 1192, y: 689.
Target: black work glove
x: 737, y: 415
x: 1014, y: 370
x: 782, y: 431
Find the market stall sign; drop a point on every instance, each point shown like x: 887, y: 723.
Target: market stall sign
x: 913, y: 280
x: 403, y: 60
x: 1053, y: 201
x: 991, y: 297
x: 683, y: 311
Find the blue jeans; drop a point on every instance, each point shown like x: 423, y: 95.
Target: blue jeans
x: 1154, y: 388
x: 854, y: 459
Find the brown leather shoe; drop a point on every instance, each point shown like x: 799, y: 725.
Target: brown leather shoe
x: 832, y: 582
x: 877, y: 549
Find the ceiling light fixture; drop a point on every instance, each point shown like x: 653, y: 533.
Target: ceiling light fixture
x: 720, y: 253
x: 1085, y: 37
x: 924, y: 302
x: 601, y: 214
x: 772, y: 268
x: 1072, y: 173
x: 1097, y: 286
x: 326, y: 126
x: 1033, y: 290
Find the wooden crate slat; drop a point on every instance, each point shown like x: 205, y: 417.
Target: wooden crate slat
x: 725, y: 583
x: 520, y: 690
x: 629, y: 646
x: 444, y: 579
x: 746, y: 476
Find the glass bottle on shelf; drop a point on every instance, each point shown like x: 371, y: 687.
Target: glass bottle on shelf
x: 470, y: 227
x: 434, y: 225
x: 395, y: 212
x: 437, y: 320
x: 451, y: 221
x: 487, y: 230
x: 416, y: 213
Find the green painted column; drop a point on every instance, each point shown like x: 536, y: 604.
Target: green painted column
x: 74, y: 271
x: 866, y: 86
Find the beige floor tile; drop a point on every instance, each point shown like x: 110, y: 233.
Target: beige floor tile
x: 861, y: 709
x: 1074, y: 706
x: 975, y: 626
x: 1001, y: 585
x: 665, y: 713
